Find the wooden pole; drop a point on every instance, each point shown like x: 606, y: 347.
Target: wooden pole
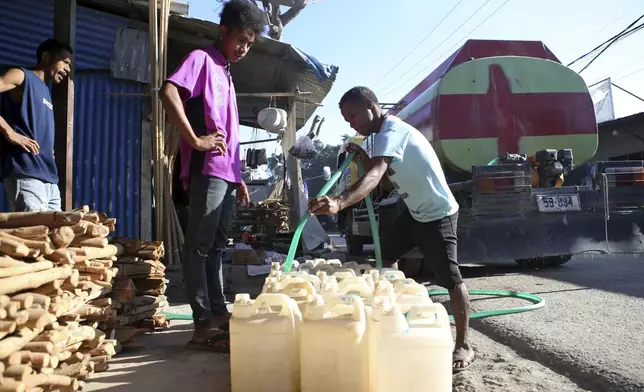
x: 63, y: 101
x: 293, y: 167
x: 155, y: 115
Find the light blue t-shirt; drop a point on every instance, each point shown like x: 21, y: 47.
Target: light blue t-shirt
x: 415, y: 170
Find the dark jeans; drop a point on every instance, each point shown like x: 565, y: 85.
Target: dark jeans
x: 211, y: 207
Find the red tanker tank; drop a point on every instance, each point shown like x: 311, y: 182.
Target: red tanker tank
x: 496, y: 97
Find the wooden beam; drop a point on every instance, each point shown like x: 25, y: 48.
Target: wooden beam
x: 293, y: 168
x: 272, y: 95
x: 63, y: 97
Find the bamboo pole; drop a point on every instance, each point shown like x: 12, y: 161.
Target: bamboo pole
x: 153, y: 33
x: 166, y: 202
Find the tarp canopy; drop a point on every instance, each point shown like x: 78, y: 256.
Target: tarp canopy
x: 270, y: 67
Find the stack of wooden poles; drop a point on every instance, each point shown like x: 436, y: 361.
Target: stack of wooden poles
x: 165, y: 141
x: 56, y: 272
x: 139, y: 289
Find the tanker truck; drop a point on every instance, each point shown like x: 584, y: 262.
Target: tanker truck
x: 509, y: 123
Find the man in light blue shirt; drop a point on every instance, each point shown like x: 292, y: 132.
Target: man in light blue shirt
x: 429, y: 212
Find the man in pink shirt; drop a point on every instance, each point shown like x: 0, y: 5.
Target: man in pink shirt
x: 200, y: 100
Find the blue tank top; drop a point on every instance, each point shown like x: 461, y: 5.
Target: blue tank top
x: 33, y: 117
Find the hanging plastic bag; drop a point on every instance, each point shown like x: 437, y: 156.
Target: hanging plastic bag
x: 304, y: 148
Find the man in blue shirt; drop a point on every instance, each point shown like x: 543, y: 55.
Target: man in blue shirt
x: 429, y: 213
x: 27, y: 162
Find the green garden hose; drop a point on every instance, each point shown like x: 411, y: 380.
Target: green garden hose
x: 537, y: 302
x: 288, y: 263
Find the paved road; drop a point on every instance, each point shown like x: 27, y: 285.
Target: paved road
x: 592, y: 328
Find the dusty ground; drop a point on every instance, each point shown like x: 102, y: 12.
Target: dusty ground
x: 500, y: 369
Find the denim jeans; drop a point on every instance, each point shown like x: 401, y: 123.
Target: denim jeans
x: 211, y: 207
x: 30, y: 194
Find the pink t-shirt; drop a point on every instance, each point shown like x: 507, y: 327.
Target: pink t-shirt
x: 204, y: 74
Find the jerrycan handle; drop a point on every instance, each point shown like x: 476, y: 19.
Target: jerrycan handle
x: 353, y: 301
x: 361, y: 288
x: 275, y: 299
x: 417, y: 312
x: 356, y: 302
x: 300, y: 285
x: 363, y: 269
x: 409, y: 288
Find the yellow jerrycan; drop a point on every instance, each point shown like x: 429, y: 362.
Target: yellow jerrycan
x: 413, y: 353
x: 409, y: 293
x: 265, y: 344
x: 391, y: 274
x: 380, y: 305
x: 296, y: 288
x: 334, y: 346
x: 357, y: 286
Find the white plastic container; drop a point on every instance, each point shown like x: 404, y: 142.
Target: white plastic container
x: 329, y: 290
x: 391, y: 274
x: 413, y: 354
x: 308, y: 266
x: 264, y: 344
x: 357, y: 286
x: 380, y: 305
x: 384, y: 288
x: 362, y: 269
x: 297, y: 288
x: 334, y: 346
x: 409, y: 293
x: 351, y: 264
x: 344, y: 273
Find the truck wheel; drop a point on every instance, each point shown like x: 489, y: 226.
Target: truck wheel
x: 544, y: 262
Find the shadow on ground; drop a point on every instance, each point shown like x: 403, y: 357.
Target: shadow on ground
x: 164, y: 364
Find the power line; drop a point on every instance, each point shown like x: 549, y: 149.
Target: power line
x: 628, y: 92
x: 419, y: 43
x: 608, y: 41
x: 452, y: 48
x: 448, y: 37
x: 630, y: 74
x: 610, y: 44
x: 576, y: 45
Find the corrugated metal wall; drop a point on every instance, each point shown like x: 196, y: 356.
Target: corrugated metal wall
x: 107, y: 129
x: 26, y: 23
x: 107, y: 149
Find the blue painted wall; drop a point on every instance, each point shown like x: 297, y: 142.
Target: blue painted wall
x: 107, y: 129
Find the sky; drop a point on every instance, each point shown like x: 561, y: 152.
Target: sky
x: 386, y: 45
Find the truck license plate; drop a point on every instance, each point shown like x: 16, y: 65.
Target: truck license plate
x: 558, y: 203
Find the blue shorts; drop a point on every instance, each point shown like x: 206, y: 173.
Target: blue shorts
x: 30, y: 194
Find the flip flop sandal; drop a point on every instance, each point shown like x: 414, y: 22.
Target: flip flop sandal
x: 462, y: 361
x: 218, y: 344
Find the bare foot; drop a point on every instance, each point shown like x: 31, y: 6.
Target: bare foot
x: 462, y: 358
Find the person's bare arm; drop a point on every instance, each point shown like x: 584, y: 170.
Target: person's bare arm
x: 366, y: 183
x: 10, y: 81
x: 173, y: 106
